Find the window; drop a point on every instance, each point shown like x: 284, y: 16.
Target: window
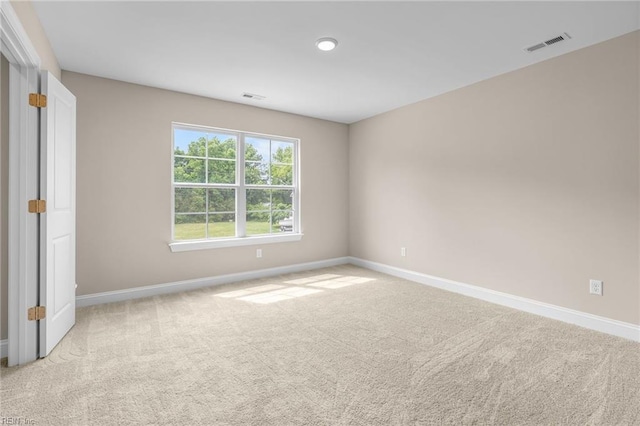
x: 233, y: 188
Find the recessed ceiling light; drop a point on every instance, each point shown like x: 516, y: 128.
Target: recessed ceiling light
x: 326, y: 43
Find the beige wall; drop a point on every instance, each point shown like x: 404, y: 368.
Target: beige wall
x: 4, y: 192
x: 527, y: 183
x: 124, y: 185
x: 31, y: 23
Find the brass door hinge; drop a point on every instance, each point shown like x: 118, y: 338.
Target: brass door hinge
x: 37, y: 206
x: 36, y: 313
x: 37, y: 100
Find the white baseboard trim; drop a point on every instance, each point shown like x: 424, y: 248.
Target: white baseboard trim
x: 4, y: 348
x: 583, y: 319
x: 175, y: 287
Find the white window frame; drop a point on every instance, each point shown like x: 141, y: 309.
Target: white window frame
x: 241, y: 239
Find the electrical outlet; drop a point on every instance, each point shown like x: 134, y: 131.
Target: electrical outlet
x: 595, y: 287
x: 258, y: 253
x: 403, y: 251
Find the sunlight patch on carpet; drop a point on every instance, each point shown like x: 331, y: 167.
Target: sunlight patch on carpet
x: 271, y: 293
x: 248, y: 291
x: 341, y: 282
x: 278, y: 295
x: 316, y: 278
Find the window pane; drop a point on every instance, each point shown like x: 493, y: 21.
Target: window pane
x: 222, y: 225
x: 282, y: 152
x: 282, y: 221
x: 222, y: 201
x: 189, y: 227
x: 189, y: 142
x: 257, y: 149
x: 207, y: 186
x: 282, y: 199
x: 187, y: 169
x: 222, y: 171
x: 190, y: 200
x: 258, y: 199
x: 222, y: 146
x: 281, y: 175
x: 256, y: 173
x: 258, y: 223
x: 258, y: 206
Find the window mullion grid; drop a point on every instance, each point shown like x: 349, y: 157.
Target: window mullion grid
x: 206, y: 216
x: 241, y: 193
x: 296, y: 191
x: 284, y: 187
x: 206, y: 191
x: 197, y: 157
x: 203, y: 185
x: 173, y: 184
x: 270, y: 180
x: 270, y: 210
x: 241, y: 187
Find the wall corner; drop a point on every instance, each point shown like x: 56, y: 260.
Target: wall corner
x: 33, y: 27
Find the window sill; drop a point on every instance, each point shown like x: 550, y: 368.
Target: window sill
x: 232, y: 242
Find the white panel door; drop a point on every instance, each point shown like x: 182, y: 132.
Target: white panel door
x: 58, y: 224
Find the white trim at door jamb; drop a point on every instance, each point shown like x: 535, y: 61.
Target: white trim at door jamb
x: 23, y: 185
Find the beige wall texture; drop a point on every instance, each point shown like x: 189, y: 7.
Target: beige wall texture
x: 31, y: 23
x: 4, y: 193
x: 124, y: 185
x: 526, y: 183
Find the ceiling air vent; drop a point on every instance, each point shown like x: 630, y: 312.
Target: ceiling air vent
x: 536, y: 47
x: 554, y: 40
x: 253, y: 96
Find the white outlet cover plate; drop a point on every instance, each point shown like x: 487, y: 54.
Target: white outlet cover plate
x: 595, y: 287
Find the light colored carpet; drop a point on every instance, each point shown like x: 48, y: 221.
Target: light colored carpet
x: 342, y: 345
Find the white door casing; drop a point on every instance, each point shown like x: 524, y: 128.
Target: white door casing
x: 57, y: 224
x: 23, y: 186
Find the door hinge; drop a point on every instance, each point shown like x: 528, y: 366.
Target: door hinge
x: 36, y: 313
x: 37, y: 206
x: 37, y: 100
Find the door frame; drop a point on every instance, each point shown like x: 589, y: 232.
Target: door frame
x: 23, y: 186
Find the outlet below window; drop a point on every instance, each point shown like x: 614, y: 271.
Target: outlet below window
x: 595, y: 287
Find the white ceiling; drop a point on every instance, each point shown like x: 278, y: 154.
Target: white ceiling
x: 389, y: 53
